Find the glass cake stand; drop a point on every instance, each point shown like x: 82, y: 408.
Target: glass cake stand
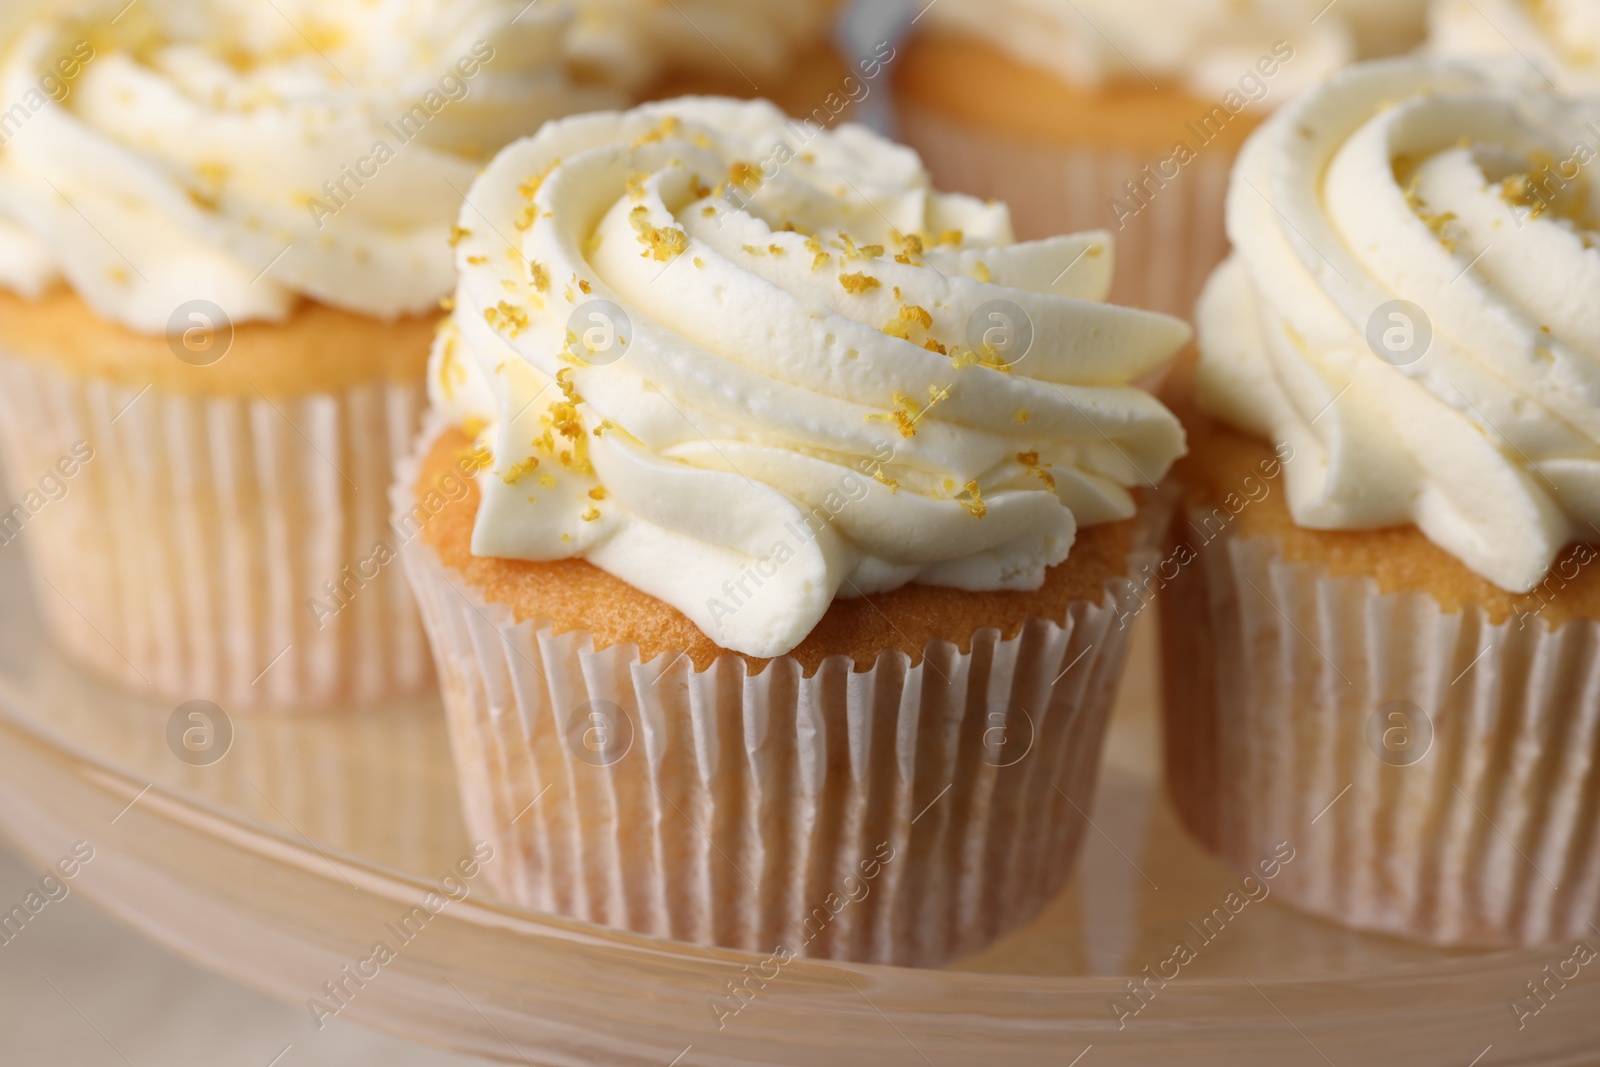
x: 284, y: 862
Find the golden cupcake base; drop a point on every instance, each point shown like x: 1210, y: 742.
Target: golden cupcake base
x: 216, y: 532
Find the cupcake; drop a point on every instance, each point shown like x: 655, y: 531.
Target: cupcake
x: 770, y: 530
x: 224, y: 235
x: 1122, y: 115
x: 1558, y: 39
x: 1381, y: 628
x: 779, y: 50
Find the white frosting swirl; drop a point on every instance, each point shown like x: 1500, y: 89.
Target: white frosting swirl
x: 1559, y: 38
x: 1203, y: 45
x: 249, y: 153
x: 797, y: 411
x: 633, y: 42
x: 1420, y: 180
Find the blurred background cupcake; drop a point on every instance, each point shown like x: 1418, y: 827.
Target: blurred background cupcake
x: 1559, y: 39
x: 1382, y: 619
x: 1122, y: 115
x: 224, y: 235
x: 787, y: 612
x: 779, y: 50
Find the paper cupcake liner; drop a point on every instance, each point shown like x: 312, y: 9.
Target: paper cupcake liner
x: 185, y: 557
x: 903, y: 814
x: 1164, y: 253
x: 1434, y: 772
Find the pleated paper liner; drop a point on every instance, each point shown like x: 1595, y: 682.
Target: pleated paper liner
x: 214, y: 547
x: 1434, y: 772
x: 1164, y: 252
x: 902, y: 814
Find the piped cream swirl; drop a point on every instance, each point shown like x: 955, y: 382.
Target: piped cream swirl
x: 794, y: 402
x: 1421, y: 181
x: 249, y: 154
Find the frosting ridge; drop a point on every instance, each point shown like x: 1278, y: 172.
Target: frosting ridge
x: 250, y: 154
x: 1412, y: 306
x: 748, y: 365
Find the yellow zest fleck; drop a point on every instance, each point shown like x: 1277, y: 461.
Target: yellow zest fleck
x: 745, y: 175
x: 822, y: 260
x: 517, y: 317
x: 988, y: 357
x: 974, y: 502
x: 902, y: 416
x: 709, y: 210
x: 910, y: 315
x: 980, y: 271
x: 668, y: 128
x: 597, y: 493
x: 1023, y: 416
x: 477, y: 261
x: 457, y: 234
x: 530, y: 188
x: 610, y: 427
x: 564, y: 418
x: 951, y: 237
x: 541, y: 277
x: 585, y: 286
x: 635, y: 185
x: 565, y: 381
x: 1030, y: 460
x: 700, y: 263
x: 451, y: 373
x: 515, y: 472
x: 447, y: 303
x: 1517, y: 191
x: 859, y: 283
x: 591, y: 514
x: 776, y: 250
x: 663, y: 243
x: 894, y: 486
